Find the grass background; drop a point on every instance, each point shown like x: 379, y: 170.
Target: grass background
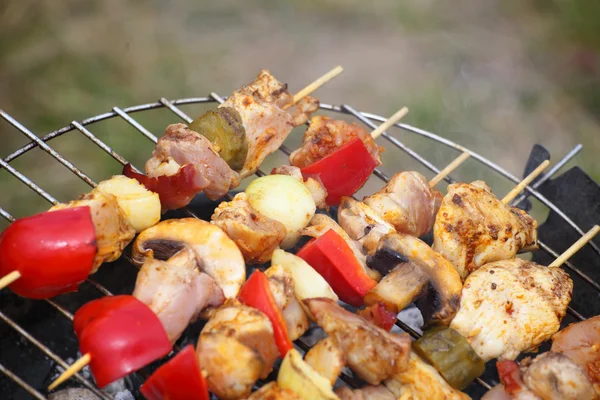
x: 495, y: 76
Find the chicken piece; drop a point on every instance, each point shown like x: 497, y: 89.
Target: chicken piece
x: 236, y: 348
x: 327, y: 358
x: 321, y: 223
x: 378, y: 392
x: 256, y: 235
x: 512, y: 306
x: 407, y: 202
x: 318, y: 192
x: 281, y: 285
x: 473, y: 227
x: 371, y: 352
x: 581, y: 343
x: 177, y: 291
x: 553, y: 376
x: 362, y: 224
x: 113, y: 231
x: 421, y: 381
x: 262, y: 105
x: 326, y: 135
x: 272, y: 391
x: 183, y: 146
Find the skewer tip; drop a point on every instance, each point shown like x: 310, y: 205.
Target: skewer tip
x: 449, y: 168
x: 389, y: 122
x: 317, y: 83
x: 528, y: 179
x: 72, y: 370
x: 6, y: 280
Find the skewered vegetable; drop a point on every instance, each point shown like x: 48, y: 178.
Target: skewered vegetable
x: 62, y: 242
x: 256, y: 293
x: 178, y: 378
x: 379, y: 316
x: 284, y: 199
x: 295, y: 374
x: 216, y: 254
x: 331, y: 257
x: 342, y: 172
x: 453, y: 357
x: 140, y: 206
x: 272, y: 391
x: 223, y: 127
x: 308, y: 284
x: 424, y: 278
x: 121, y: 334
x: 326, y: 358
x: 113, y: 231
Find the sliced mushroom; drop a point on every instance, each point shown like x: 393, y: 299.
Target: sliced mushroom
x: 420, y: 275
x: 216, y: 254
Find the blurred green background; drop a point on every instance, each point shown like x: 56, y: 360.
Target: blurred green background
x: 495, y: 76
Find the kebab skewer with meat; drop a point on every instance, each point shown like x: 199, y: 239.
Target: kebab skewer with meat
x: 226, y: 144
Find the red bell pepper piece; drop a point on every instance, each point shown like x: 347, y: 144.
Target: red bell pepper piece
x: 256, y: 293
x: 174, y: 191
x: 510, y: 376
x: 344, y: 171
x: 53, y: 251
x: 379, y: 315
x: 334, y: 260
x: 180, y: 378
x: 121, y: 334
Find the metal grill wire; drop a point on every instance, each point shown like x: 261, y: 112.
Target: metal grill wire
x: 367, y: 118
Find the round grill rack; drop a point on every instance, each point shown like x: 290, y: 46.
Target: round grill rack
x: 30, y: 341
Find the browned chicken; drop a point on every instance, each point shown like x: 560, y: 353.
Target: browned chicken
x: 581, y: 343
x: 327, y: 358
x: 113, y: 231
x: 256, y: 235
x: 379, y: 392
x: 473, y: 227
x: 272, y: 391
x: 421, y: 381
x: 281, y: 284
x: 371, y: 352
x: 407, y: 202
x: 180, y: 146
x: 512, y: 306
x: 325, y: 135
x: 236, y: 348
x: 268, y: 116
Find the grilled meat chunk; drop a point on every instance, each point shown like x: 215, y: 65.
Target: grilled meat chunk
x: 176, y: 290
x: 262, y: 105
x: 113, y: 231
x: 581, y: 343
x: 327, y: 358
x: 371, y: 352
x: 272, y: 391
x: 473, y: 227
x: 512, y: 306
x: 326, y: 135
x: 256, y: 235
x: 236, y: 348
x: 180, y: 146
x: 407, y: 202
x: 378, y: 392
x: 420, y: 381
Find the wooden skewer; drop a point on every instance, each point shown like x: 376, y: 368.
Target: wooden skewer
x: 519, y: 188
x: 449, y: 168
x: 8, y: 279
x: 316, y: 84
x: 389, y: 122
x: 575, y: 247
x: 72, y: 370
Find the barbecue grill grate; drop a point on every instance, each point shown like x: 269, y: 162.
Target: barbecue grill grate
x: 33, y: 389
